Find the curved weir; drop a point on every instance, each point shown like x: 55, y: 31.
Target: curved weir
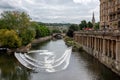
x: 48, y: 62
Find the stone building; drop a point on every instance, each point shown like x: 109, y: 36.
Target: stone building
x: 110, y: 14
x: 104, y: 44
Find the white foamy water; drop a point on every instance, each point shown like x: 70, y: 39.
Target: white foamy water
x: 47, y: 62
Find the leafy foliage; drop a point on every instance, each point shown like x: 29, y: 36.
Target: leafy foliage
x: 56, y: 31
x: 97, y: 26
x: 89, y: 25
x: 83, y: 24
x: 14, y: 20
x: 42, y: 31
x: 72, y: 28
x: 20, y: 23
x: 27, y: 35
x: 9, y: 38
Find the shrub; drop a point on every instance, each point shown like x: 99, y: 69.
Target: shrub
x: 9, y: 39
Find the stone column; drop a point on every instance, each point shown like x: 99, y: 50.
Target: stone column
x: 100, y: 45
x: 81, y: 40
x: 90, y: 42
x: 104, y: 46
x: 112, y: 49
x: 87, y: 41
x: 108, y: 47
x: 118, y: 51
x: 95, y: 44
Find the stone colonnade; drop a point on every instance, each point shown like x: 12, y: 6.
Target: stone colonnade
x: 105, y: 46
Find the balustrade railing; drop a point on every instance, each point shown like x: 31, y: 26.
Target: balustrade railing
x: 103, y: 32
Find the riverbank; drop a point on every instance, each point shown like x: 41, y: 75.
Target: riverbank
x: 41, y: 39
x: 27, y: 47
x: 70, y: 42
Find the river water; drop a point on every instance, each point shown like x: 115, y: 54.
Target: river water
x: 82, y: 66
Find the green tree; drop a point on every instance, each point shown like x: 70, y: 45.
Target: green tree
x: 9, y: 39
x: 89, y: 25
x: 27, y: 35
x: 14, y: 20
x: 97, y: 26
x: 42, y: 31
x: 56, y: 31
x: 83, y: 24
x: 72, y: 28
x: 19, y: 22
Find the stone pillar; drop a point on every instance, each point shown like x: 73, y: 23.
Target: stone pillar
x: 90, y: 42
x: 100, y: 45
x: 118, y: 51
x: 95, y: 44
x: 108, y: 47
x: 81, y: 40
x: 87, y: 41
x: 112, y: 49
x: 104, y: 47
x: 78, y: 38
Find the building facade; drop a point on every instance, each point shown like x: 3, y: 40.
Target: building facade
x: 110, y: 14
x: 104, y: 44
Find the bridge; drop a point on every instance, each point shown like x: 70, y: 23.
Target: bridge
x: 58, y: 35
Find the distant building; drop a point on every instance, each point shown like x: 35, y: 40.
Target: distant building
x: 93, y: 20
x: 110, y: 14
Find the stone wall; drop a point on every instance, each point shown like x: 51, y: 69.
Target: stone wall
x: 42, y: 39
x: 105, y: 46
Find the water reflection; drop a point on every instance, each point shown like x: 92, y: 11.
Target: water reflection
x: 10, y: 69
x: 95, y: 69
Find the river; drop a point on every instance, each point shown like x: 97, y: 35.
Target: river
x: 82, y: 66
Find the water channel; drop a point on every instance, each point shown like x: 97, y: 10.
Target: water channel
x: 82, y: 66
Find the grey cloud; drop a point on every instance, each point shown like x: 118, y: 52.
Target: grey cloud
x: 53, y: 10
x: 5, y: 5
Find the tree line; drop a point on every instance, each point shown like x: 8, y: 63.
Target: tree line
x: 84, y: 25
x: 17, y: 29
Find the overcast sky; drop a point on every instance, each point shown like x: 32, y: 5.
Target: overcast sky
x: 67, y: 11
